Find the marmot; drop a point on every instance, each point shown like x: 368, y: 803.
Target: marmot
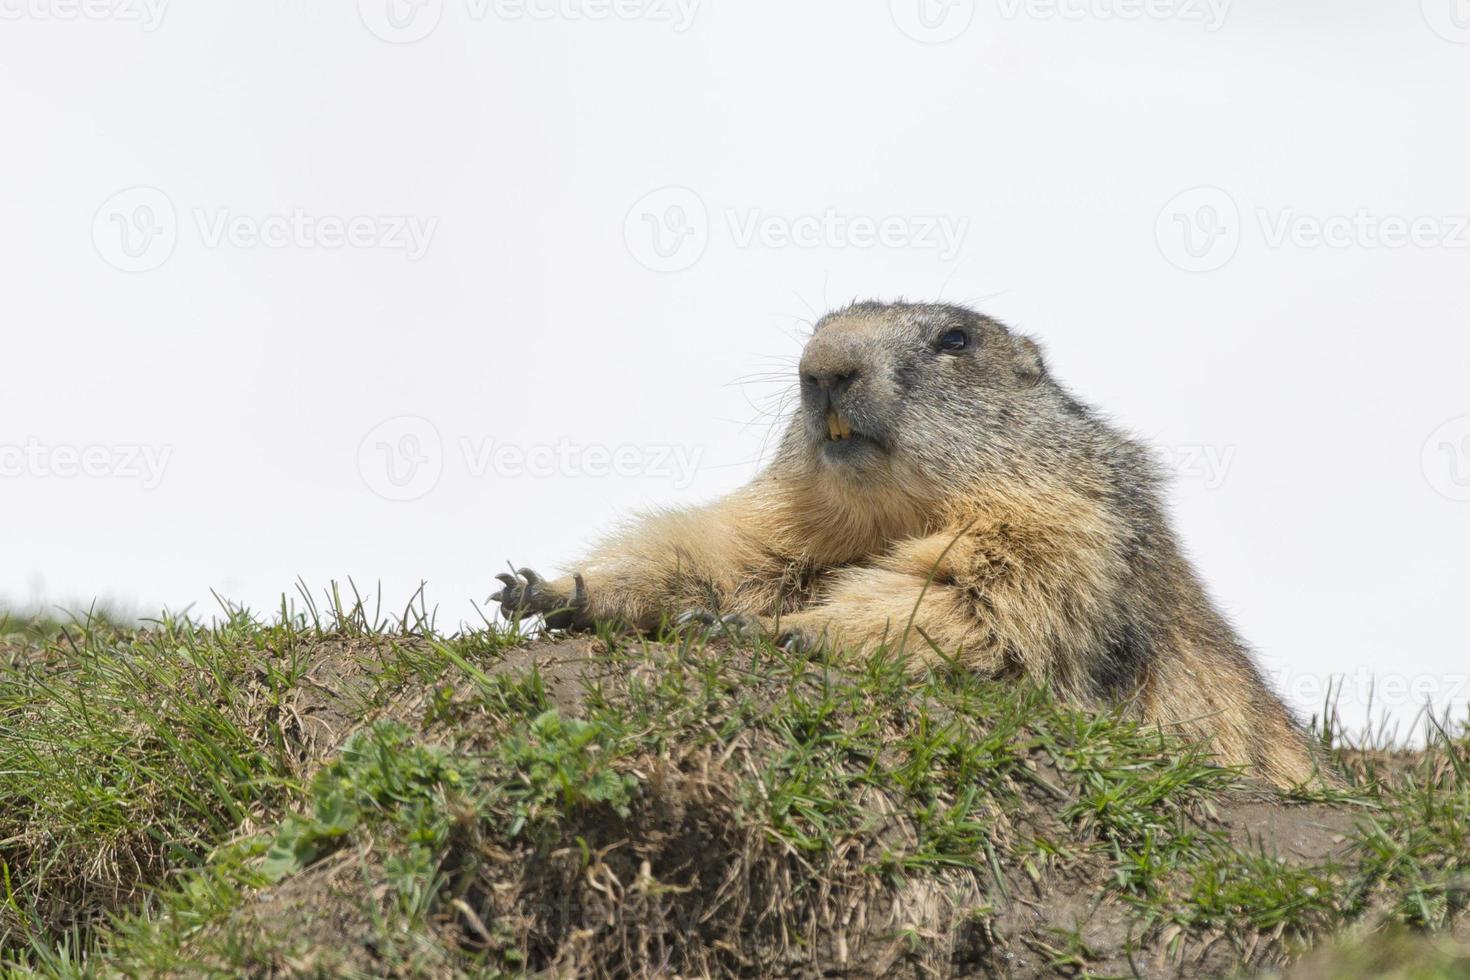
x: 937, y: 488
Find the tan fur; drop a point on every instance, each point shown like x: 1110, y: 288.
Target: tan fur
x: 982, y: 541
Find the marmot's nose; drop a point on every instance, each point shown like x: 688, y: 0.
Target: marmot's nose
x: 831, y: 364
x: 835, y: 382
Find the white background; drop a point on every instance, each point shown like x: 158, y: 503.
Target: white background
x: 1312, y: 398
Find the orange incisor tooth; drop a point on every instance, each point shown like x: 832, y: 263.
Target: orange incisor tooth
x: 833, y: 425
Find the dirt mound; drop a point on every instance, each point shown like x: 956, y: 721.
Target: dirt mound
x: 611, y: 807
x: 685, y: 881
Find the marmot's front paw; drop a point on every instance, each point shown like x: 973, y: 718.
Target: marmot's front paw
x: 528, y: 594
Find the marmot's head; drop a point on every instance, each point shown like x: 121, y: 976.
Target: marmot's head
x: 925, y: 393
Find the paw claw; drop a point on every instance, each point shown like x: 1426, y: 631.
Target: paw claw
x: 527, y: 594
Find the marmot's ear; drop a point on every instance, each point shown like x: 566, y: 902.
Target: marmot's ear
x: 1030, y: 365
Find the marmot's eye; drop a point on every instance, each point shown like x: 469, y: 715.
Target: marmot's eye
x: 954, y: 340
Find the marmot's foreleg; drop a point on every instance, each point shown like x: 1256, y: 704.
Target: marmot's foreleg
x: 717, y: 559
x: 995, y: 597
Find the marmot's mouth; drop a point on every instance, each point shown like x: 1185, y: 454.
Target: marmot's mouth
x: 838, y: 427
